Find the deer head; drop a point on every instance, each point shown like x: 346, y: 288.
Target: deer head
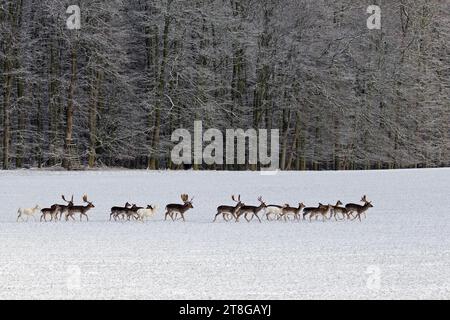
x: 186, y: 200
x: 90, y: 204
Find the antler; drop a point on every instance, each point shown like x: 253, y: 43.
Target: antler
x: 85, y: 198
x: 364, y: 199
x: 260, y: 199
x: 234, y: 199
x: 184, y: 197
x: 62, y: 196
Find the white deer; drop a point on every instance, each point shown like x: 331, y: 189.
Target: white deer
x: 149, y: 212
x: 28, y: 212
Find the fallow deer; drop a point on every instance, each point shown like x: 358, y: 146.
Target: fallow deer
x: 173, y: 209
x: 321, y: 210
x: 116, y: 211
x: 337, y: 209
x: 287, y: 210
x: 359, y: 209
x: 149, y: 212
x: 225, y: 211
x: 28, y: 212
x: 63, y: 208
x: 132, y: 212
x: 82, y: 210
x: 52, y: 211
x: 274, y: 210
x: 308, y: 210
x: 252, y: 210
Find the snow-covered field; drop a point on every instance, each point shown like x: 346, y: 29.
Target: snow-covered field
x: 402, y: 249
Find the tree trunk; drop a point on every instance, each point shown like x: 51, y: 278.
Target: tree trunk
x: 69, y: 111
x: 153, y: 161
x: 93, y: 119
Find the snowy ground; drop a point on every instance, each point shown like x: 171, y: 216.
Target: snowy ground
x: 402, y: 249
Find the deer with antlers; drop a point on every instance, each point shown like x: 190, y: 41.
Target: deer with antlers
x: 252, y: 210
x: 63, y: 208
x: 173, y: 209
x: 358, y: 209
x: 82, y: 210
x: 226, y: 211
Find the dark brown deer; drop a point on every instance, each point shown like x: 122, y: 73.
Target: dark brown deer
x: 229, y: 210
x: 52, y: 211
x: 173, y: 209
x: 337, y: 209
x: 63, y: 209
x: 132, y: 212
x: 287, y: 210
x: 308, y: 210
x: 359, y: 209
x: 252, y: 210
x: 82, y: 210
x: 116, y: 211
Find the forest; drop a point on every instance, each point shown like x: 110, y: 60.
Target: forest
x: 111, y: 93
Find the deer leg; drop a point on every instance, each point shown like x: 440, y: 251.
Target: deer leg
x: 217, y: 214
x: 255, y: 214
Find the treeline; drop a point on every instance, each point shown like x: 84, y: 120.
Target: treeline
x: 112, y: 93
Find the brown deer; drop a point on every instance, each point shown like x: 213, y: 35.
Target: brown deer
x: 52, y: 211
x: 287, y: 210
x: 308, y: 210
x: 320, y: 210
x: 359, y: 209
x: 82, y: 210
x: 229, y: 210
x: 337, y: 209
x: 173, y: 209
x: 132, y: 212
x: 63, y: 209
x: 252, y: 210
x: 116, y: 211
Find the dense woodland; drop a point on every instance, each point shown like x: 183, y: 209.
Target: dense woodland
x: 111, y: 94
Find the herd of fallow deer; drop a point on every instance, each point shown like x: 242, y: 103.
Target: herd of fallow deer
x: 235, y: 212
